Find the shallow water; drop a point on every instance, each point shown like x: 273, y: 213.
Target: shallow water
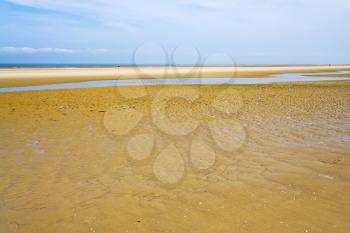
x: 280, y: 78
x: 276, y: 159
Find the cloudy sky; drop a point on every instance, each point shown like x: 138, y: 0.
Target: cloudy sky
x: 180, y: 32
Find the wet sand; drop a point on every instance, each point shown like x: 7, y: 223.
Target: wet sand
x: 69, y: 162
x: 42, y: 76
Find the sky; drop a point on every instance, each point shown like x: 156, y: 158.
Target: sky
x: 180, y: 32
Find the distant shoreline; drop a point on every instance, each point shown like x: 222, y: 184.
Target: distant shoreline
x: 77, y: 65
x: 31, y: 76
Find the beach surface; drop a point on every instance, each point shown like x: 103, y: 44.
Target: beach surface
x: 12, y: 77
x: 201, y: 158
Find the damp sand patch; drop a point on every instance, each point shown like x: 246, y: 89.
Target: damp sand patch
x: 271, y: 158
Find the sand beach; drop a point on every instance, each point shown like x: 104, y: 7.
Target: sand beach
x: 41, y: 76
x: 174, y: 158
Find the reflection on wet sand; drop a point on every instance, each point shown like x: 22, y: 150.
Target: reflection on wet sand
x: 71, y: 160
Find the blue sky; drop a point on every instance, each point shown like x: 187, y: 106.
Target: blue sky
x: 180, y: 32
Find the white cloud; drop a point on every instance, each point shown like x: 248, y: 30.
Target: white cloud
x: 225, y: 26
x: 134, y: 14
x: 28, y: 50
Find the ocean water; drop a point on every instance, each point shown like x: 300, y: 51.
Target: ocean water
x: 86, y: 65
x: 19, y: 65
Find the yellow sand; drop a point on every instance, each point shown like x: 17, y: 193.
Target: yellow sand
x: 40, y: 76
x: 65, y: 166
